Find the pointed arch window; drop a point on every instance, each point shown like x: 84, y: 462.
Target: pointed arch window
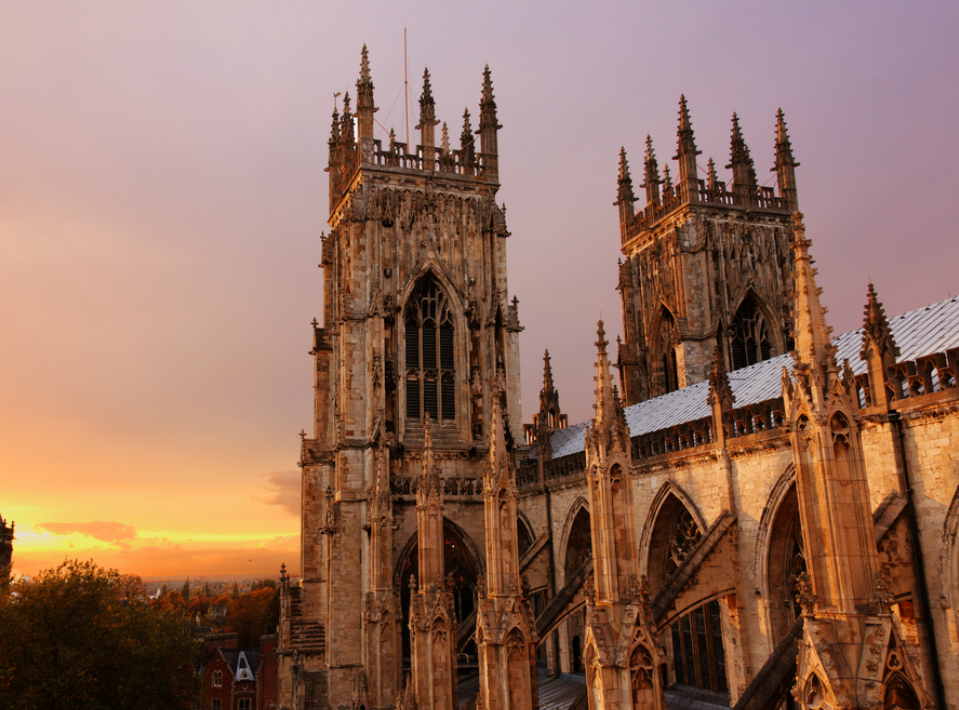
x: 668, y: 339
x: 430, y: 364
x: 750, y: 342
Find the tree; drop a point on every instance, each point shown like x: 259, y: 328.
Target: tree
x: 252, y: 616
x: 163, y: 591
x: 236, y: 590
x: 72, y: 638
x: 185, y: 592
x: 206, y: 589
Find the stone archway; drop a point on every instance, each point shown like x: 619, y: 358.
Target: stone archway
x: 462, y: 565
x: 785, y: 561
x: 673, y: 535
x: 578, y: 550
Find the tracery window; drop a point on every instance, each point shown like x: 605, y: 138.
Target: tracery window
x: 430, y: 367
x: 217, y: 679
x: 698, y: 657
x: 750, y: 341
x: 795, y: 565
x: 683, y: 536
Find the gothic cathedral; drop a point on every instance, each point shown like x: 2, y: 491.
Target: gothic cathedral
x: 760, y: 514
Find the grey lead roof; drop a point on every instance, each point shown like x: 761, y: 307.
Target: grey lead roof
x: 933, y: 329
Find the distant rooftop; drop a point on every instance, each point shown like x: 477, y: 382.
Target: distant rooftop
x: 928, y: 330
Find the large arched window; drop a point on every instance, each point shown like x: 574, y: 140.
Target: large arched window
x: 430, y: 381
x: 750, y: 341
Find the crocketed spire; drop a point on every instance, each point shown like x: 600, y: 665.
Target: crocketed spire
x: 875, y: 326
x: 624, y: 194
x: 812, y: 335
x: 744, y: 172
x: 686, y: 153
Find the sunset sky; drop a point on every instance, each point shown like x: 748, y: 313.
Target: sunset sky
x: 162, y: 197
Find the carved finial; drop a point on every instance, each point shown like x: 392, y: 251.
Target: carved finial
x: 601, y: 343
x: 334, y: 132
x: 487, y: 107
x: 427, y: 104
x: 686, y: 153
x: 744, y: 172
x: 667, y: 185
x: 876, y: 330
x: 719, y: 387
x: 624, y: 193
x: 547, y: 373
x: 712, y: 181
x: 302, y: 433
x: 364, y: 64
x: 445, y: 145
x: 466, y: 139
x: 651, y: 181
x: 609, y: 423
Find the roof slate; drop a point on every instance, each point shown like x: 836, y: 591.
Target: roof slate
x: 924, y: 331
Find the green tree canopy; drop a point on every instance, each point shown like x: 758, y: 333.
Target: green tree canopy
x: 74, y: 638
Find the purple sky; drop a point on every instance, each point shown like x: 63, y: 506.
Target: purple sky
x: 162, y: 195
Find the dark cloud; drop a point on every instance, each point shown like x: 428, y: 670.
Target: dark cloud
x: 114, y: 533
x: 283, y: 489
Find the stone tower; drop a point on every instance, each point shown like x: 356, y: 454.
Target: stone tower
x: 417, y: 337
x: 705, y: 264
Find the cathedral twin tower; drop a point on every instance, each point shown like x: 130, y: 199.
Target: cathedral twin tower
x: 411, y: 549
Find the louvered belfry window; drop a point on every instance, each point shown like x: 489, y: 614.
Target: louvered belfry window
x: 750, y: 342
x: 430, y: 371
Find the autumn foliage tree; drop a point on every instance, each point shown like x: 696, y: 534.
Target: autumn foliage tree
x: 252, y: 616
x: 79, y: 636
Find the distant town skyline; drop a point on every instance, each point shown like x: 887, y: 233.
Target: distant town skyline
x: 162, y: 197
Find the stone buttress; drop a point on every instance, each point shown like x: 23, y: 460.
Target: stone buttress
x: 621, y: 653
x: 848, y: 633
x: 505, y: 632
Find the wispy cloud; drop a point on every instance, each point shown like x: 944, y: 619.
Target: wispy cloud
x: 114, y: 533
x: 283, y: 489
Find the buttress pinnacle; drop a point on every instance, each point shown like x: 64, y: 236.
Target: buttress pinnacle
x: 427, y: 103
x: 548, y: 373
x: 785, y: 167
x: 876, y: 325
x: 487, y: 104
x: 604, y: 380
x: 651, y: 179
x: 744, y: 172
x: 466, y: 139
x: 812, y: 335
x: 364, y: 64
